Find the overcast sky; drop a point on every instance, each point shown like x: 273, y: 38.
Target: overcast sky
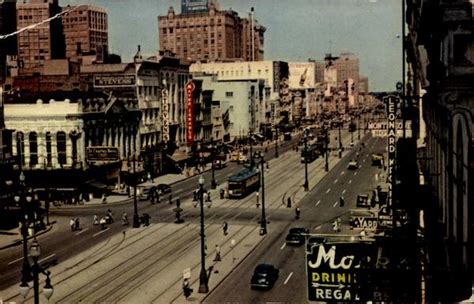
x: 296, y: 30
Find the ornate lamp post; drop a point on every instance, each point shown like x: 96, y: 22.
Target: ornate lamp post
x: 203, y: 277
x: 136, y: 220
x: 35, y: 251
x: 306, y: 184
x: 213, y: 156
x: 252, y: 163
x: 276, y: 142
x: 263, y: 222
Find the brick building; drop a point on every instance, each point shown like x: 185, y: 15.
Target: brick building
x: 211, y: 34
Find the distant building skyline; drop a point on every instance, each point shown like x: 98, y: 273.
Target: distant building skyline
x: 369, y: 29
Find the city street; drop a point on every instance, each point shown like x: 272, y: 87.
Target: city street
x: 156, y: 249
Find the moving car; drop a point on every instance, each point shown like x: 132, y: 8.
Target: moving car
x: 264, y: 276
x: 377, y: 159
x: 353, y: 164
x: 296, y: 236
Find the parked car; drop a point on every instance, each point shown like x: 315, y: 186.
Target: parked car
x: 353, y: 164
x: 296, y: 236
x: 377, y: 159
x: 264, y: 276
x: 219, y: 164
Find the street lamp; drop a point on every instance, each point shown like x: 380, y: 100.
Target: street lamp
x: 252, y: 164
x: 136, y: 220
x: 35, y: 251
x: 306, y: 184
x: 213, y: 181
x: 203, y: 278
x: 340, y: 140
x: 263, y: 223
x: 276, y: 142
x: 326, y: 140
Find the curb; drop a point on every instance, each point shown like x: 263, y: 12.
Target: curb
x: 19, y: 241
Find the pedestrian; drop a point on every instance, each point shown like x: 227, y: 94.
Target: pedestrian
x: 170, y: 199
x: 218, y: 254
x: 288, y: 202
x: 77, y: 225
x: 102, y: 222
x: 257, y: 195
x: 95, y: 220
x: 208, y: 196
x: 221, y: 193
x: 104, y: 199
x: 72, y: 223
x: 124, y: 219
x: 225, y: 227
x: 341, y: 201
x: 109, y: 216
x: 297, y: 212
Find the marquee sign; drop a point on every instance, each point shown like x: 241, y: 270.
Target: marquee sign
x: 189, y: 114
x: 165, y: 115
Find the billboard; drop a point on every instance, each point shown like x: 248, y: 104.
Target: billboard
x: 334, y: 271
x: 302, y: 75
x: 193, y: 6
x: 189, y: 113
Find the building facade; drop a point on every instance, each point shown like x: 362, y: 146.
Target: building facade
x: 85, y: 30
x: 440, y: 54
x: 45, y: 41
x: 8, y: 46
x: 213, y: 34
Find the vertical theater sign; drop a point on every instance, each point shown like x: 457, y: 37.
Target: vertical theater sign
x: 165, y: 114
x: 189, y: 114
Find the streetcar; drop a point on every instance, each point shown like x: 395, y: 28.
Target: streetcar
x: 243, y: 183
x: 310, y: 154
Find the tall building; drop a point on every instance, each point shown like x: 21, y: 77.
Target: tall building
x: 45, y: 41
x: 85, y: 30
x: 7, y: 25
x: 347, y: 67
x: 212, y: 34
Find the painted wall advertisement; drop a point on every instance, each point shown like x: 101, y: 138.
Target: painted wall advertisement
x: 165, y: 118
x: 302, y: 75
x: 189, y: 114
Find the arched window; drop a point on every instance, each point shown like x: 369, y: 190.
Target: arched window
x: 48, y: 149
x: 20, y: 148
x: 33, y: 149
x: 61, y: 147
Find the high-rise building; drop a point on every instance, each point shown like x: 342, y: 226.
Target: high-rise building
x: 212, y: 34
x: 347, y: 67
x: 43, y: 42
x: 8, y: 46
x: 85, y: 30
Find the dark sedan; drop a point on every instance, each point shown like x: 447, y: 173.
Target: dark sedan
x: 264, y: 276
x: 163, y: 188
x: 296, y: 236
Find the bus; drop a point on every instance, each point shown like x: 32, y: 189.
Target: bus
x: 310, y: 154
x: 243, y: 183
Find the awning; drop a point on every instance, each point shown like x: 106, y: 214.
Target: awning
x: 179, y: 156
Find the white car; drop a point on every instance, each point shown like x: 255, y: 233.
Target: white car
x: 353, y: 164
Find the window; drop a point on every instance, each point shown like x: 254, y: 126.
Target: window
x: 229, y: 94
x: 48, y: 149
x: 61, y: 147
x: 20, y: 148
x: 33, y: 149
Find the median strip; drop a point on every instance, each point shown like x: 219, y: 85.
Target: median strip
x: 282, y: 246
x: 288, y: 278
x: 335, y: 204
x: 327, y: 191
x: 317, y: 203
x: 82, y: 231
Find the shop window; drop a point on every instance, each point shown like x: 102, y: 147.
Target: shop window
x: 33, y: 149
x: 61, y: 147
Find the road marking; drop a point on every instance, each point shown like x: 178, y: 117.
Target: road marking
x: 178, y: 192
x: 48, y: 257
x: 343, y: 191
x: 335, y: 204
x: 317, y: 203
x: 282, y: 246
x: 327, y: 191
x: 317, y: 228
x: 14, y: 261
x: 100, y: 232
x: 335, y: 181
x: 355, y: 173
x: 342, y: 173
x: 83, y: 230
x: 288, y: 278
x: 350, y: 181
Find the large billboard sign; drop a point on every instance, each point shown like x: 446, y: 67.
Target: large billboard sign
x: 189, y: 114
x: 302, y: 75
x: 193, y: 6
x: 165, y: 118
x: 333, y: 271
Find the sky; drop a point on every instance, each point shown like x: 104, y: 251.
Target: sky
x: 296, y: 30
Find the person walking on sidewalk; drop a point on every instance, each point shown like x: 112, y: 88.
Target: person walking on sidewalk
x: 225, y: 226
x: 72, y: 223
x: 95, y: 220
x: 218, y: 254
